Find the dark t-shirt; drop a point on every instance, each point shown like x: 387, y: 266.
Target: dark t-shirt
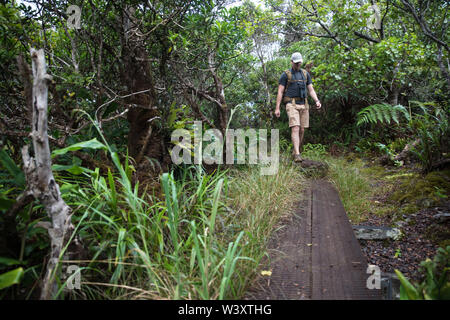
x: 296, y: 89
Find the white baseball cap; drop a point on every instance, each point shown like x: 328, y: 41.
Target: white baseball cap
x: 296, y: 57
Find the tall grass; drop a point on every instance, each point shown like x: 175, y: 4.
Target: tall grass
x: 351, y: 181
x: 203, y: 239
x: 353, y: 186
x: 258, y: 205
x: 187, y: 246
x: 146, y: 247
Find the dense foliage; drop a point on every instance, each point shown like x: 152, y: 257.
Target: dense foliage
x: 135, y: 71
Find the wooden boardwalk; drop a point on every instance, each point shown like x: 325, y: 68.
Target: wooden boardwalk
x: 316, y: 256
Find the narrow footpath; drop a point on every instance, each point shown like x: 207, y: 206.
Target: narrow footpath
x: 316, y: 255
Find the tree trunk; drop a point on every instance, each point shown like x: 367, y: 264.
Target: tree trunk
x: 220, y: 94
x: 393, y: 95
x: 144, y: 140
x: 40, y: 181
x: 444, y: 70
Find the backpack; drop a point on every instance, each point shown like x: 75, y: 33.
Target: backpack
x: 289, y: 76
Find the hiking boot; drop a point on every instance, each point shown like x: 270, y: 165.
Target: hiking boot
x: 298, y: 158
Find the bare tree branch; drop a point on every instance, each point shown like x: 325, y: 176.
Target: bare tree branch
x: 366, y: 37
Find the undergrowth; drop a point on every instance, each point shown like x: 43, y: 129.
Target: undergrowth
x: 204, y: 240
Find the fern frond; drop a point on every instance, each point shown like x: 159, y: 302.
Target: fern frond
x: 379, y: 112
x: 383, y: 113
x: 388, y: 113
x: 404, y: 111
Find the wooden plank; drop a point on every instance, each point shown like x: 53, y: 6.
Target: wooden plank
x: 290, y: 259
x: 338, y: 260
x: 316, y: 254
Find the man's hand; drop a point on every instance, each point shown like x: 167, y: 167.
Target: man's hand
x: 318, y: 104
x: 277, y: 112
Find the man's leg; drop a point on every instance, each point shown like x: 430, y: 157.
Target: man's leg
x: 295, y: 137
x: 301, y: 134
x: 304, y: 123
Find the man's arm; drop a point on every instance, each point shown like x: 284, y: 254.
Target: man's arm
x: 313, y: 95
x: 279, y: 98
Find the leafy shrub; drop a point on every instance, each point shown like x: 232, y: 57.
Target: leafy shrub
x: 432, y: 129
x: 388, y: 152
x: 436, y: 285
x: 397, y: 145
x: 314, y: 150
x: 428, y: 124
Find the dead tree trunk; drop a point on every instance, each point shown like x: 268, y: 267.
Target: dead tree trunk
x: 40, y: 181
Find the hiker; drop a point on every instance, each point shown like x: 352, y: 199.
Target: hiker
x: 292, y: 91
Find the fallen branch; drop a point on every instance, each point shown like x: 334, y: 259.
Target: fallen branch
x: 406, y: 150
x: 441, y: 164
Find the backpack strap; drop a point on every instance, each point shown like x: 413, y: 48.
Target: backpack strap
x: 306, y: 93
x: 305, y: 75
x: 289, y: 80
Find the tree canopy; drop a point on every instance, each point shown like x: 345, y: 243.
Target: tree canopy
x: 126, y: 74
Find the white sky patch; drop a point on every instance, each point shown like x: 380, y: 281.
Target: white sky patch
x: 237, y: 3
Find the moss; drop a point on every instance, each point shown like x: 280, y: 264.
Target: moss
x: 350, y: 157
x: 422, y: 191
x: 402, y: 176
x: 375, y: 171
x: 409, y: 209
x: 383, y: 211
x: 438, y: 233
x: 439, y: 179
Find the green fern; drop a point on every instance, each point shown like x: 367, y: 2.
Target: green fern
x: 383, y: 113
x: 13, y: 170
x: 424, y: 106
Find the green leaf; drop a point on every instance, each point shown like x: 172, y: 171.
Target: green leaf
x: 6, y: 203
x: 445, y: 292
x: 91, y: 144
x: 9, y: 261
x: 112, y: 186
x: 10, y: 278
x: 410, y: 291
x: 74, y: 169
x: 12, y: 168
x: 217, y: 191
x: 67, y: 187
x: 403, y: 295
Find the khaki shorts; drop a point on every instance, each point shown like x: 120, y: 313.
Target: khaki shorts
x: 298, y: 115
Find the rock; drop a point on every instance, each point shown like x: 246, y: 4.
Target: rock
x: 401, y: 224
x: 390, y: 285
x: 376, y: 233
x: 313, y: 168
x: 307, y: 163
x: 442, y: 217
